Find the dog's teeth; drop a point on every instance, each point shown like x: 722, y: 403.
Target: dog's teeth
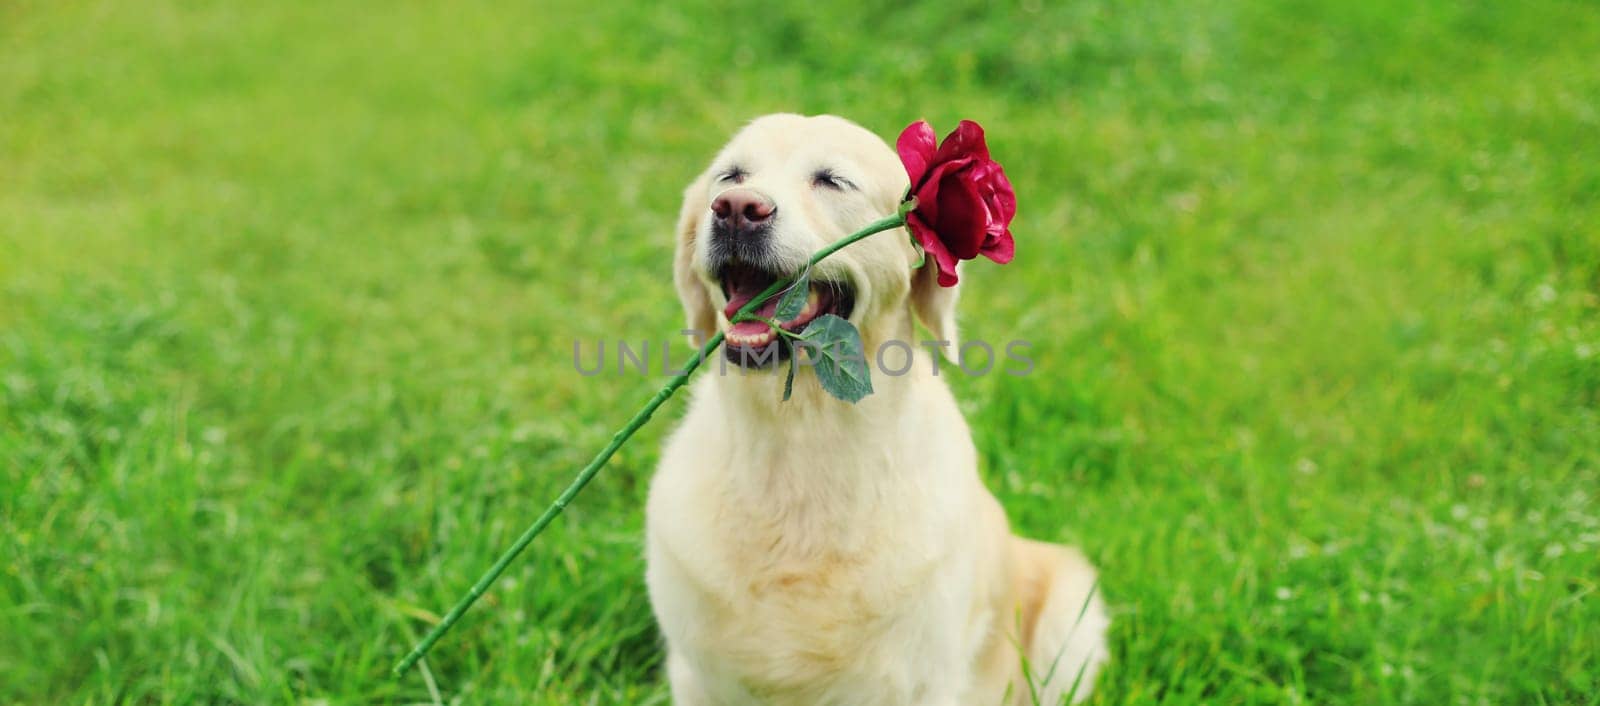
x: 757, y: 339
x: 811, y: 304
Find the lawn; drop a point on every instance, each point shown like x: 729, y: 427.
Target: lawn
x: 288, y: 294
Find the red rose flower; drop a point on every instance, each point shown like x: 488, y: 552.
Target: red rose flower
x: 964, y: 201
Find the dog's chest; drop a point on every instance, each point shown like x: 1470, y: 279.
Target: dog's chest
x: 799, y: 628
x: 811, y: 573
x: 782, y: 610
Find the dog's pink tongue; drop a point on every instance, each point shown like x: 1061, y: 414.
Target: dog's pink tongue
x: 750, y: 328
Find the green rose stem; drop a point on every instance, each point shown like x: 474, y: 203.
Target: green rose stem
x: 617, y: 440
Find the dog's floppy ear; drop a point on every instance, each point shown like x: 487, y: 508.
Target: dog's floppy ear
x: 702, y: 318
x: 935, y: 306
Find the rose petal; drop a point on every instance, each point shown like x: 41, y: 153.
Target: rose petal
x: 947, y: 273
x: 1001, y: 198
x: 1000, y: 248
x: 928, y: 194
x: 965, y: 142
x: 963, y: 215
x: 916, y: 147
x: 934, y: 249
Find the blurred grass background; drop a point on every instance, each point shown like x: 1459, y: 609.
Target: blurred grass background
x: 288, y: 293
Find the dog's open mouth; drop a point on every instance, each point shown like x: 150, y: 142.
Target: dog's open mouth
x: 754, y: 343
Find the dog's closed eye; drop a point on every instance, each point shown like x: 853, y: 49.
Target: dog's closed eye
x: 826, y: 179
x: 734, y: 174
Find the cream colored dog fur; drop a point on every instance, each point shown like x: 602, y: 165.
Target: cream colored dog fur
x: 815, y: 552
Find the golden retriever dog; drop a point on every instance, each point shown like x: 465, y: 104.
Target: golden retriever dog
x: 815, y: 552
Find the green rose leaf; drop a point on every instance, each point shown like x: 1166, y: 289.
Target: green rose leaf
x: 793, y: 301
x: 794, y: 362
x: 842, y: 367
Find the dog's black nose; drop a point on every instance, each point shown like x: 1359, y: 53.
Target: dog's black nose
x: 742, y: 211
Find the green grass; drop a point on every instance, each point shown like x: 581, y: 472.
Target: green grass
x: 288, y: 293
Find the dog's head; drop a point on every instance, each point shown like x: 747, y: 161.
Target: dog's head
x: 783, y: 188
